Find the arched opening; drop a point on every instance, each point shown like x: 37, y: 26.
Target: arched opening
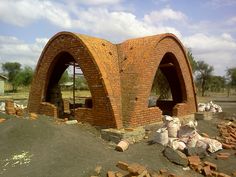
x: 168, y: 86
x: 67, y: 87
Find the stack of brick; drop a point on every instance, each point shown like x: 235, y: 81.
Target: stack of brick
x: 9, y: 107
x: 205, y: 168
x: 19, y: 111
x: 228, y: 133
x: 48, y: 109
x: 137, y: 170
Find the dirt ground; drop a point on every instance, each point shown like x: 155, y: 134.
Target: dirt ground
x: 47, y: 148
x: 54, y: 149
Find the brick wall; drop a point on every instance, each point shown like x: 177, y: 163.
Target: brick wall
x: 48, y: 109
x: 119, y: 76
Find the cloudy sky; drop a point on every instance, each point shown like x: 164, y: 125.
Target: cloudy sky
x: 208, y: 27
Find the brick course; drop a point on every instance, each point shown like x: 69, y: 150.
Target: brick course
x: 119, y: 76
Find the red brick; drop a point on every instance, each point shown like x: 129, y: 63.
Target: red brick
x: 172, y: 175
x: 111, y: 174
x: 122, y: 165
x: 223, y: 155
x: 226, y: 146
x: 2, y: 120
x: 212, y: 165
x: 223, y: 175
x: 194, y: 160
x: 112, y: 72
x: 136, y: 169
x: 207, y: 170
x: 163, y: 171
x: 119, y: 174
x: 214, y: 173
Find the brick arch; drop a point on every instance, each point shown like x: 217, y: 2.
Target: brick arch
x: 120, y: 77
x: 143, y: 58
x: 78, y: 48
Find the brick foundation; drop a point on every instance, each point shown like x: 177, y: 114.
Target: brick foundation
x: 119, y: 76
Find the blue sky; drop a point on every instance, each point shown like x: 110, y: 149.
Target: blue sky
x: 208, y: 27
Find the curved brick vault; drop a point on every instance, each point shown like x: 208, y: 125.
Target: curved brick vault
x: 119, y: 76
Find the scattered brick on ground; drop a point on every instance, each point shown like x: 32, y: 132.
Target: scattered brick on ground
x: 228, y: 133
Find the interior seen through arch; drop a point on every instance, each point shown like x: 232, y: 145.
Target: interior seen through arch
x: 67, y: 88
x: 166, y: 89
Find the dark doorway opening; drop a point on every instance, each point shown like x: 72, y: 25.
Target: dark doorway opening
x: 166, y: 89
x: 67, y: 88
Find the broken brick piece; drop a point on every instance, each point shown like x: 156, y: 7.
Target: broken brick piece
x: 119, y: 174
x: 234, y: 173
x: 194, y: 160
x: 212, y: 165
x: 122, y: 165
x: 222, y: 157
x: 2, y: 120
x: 163, y: 171
x: 223, y: 175
x: 172, y: 175
x: 214, y: 173
x: 226, y: 146
x: 111, y: 174
x: 224, y: 153
x: 136, y: 169
x: 207, y: 170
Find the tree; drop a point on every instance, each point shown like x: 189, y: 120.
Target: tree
x: 217, y: 83
x: 81, y: 83
x: 24, y: 77
x: 231, y: 76
x: 204, y: 73
x: 64, y: 78
x: 192, y: 61
x: 12, y: 70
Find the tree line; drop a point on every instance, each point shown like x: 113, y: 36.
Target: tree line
x: 202, y: 72
x: 17, y: 76
x: 206, y: 81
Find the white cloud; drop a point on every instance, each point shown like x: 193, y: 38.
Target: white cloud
x: 95, y: 2
x: 231, y: 21
x: 218, y: 51
x: 117, y: 25
x: 15, y: 50
x: 166, y: 14
x: 220, y: 3
x: 24, y: 12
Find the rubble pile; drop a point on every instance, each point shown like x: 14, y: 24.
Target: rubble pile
x: 12, y: 108
x: 186, y: 147
x: 137, y: 170
x: 228, y: 134
x: 181, y: 137
x: 205, y: 168
x: 209, y: 107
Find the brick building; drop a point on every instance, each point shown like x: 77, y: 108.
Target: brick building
x: 3, y: 79
x: 119, y: 76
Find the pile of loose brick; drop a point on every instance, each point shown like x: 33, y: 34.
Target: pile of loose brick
x: 12, y: 110
x: 206, y: 168
x: 228, y: 134
x: 137, y: 170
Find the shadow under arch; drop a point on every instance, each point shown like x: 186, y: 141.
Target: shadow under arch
x: 169, y: 67
x: 53, y: 92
